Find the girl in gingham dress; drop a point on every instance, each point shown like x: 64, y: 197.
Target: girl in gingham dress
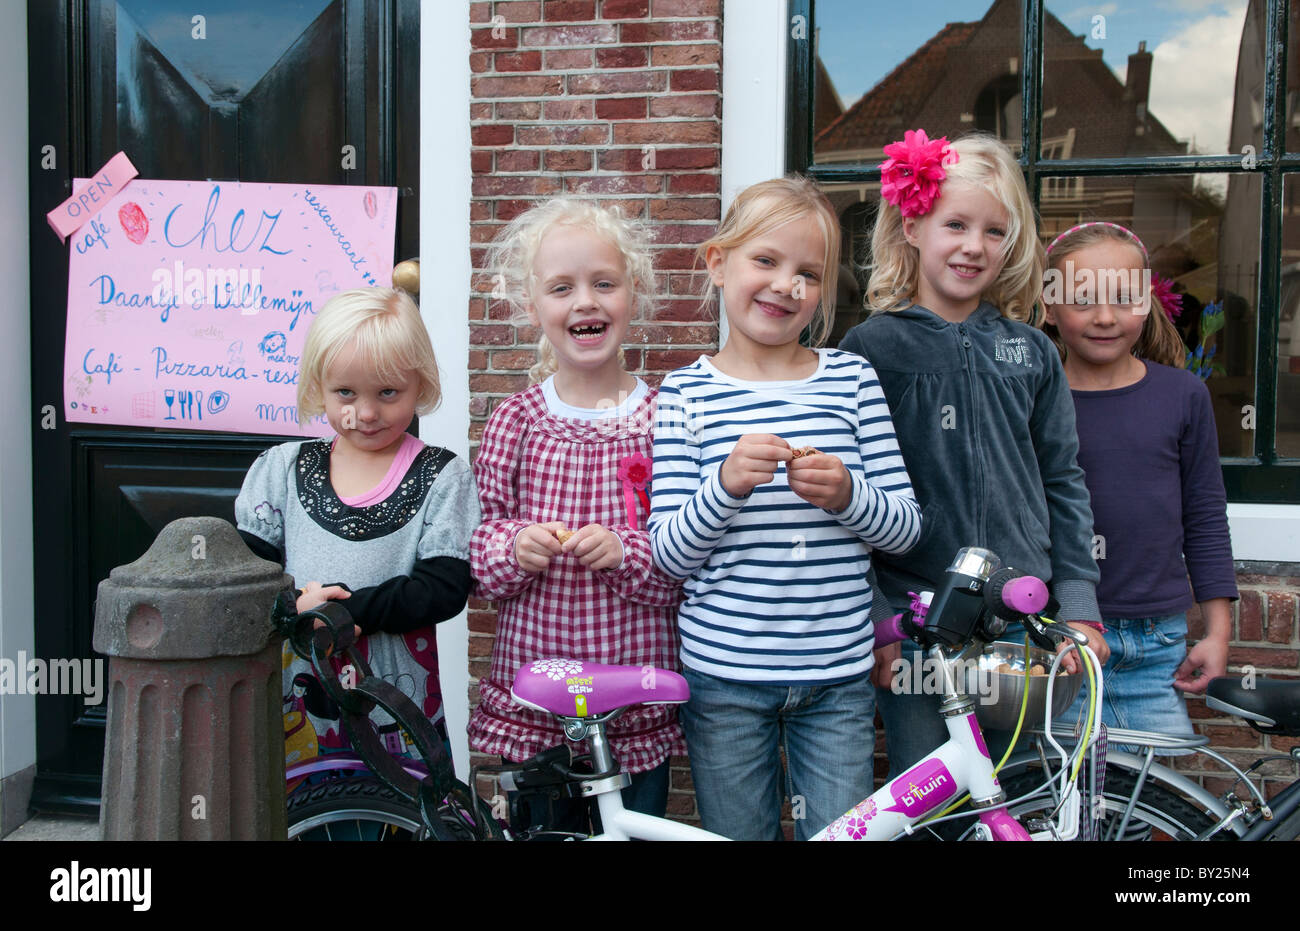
x: 570, y: 458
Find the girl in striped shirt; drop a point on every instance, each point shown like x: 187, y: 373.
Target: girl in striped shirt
x: 562, y: 476
x: 776, y: 472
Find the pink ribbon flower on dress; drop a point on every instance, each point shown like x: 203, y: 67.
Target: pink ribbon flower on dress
x: 634, y: 474
x: 910, y: 177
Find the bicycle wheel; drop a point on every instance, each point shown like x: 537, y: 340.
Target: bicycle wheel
x: 359, y: 808
x: 1159, y: 814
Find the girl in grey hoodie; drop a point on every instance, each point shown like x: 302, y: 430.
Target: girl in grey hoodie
x: 979, y: 400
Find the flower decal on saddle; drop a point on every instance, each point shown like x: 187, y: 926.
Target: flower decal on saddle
x: 909, y: 178
x: 556, y: 669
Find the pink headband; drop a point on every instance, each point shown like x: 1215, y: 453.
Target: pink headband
x: 1115, y: 226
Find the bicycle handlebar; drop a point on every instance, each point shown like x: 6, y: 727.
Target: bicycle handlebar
x: 971, y: 606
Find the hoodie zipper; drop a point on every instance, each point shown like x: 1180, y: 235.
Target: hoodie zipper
x: 975, y: 434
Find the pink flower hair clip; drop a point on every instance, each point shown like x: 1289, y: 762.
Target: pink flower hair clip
x: 910, y: 177
x: 1170, y: 301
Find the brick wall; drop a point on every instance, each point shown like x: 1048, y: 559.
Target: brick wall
x: 618, y: 100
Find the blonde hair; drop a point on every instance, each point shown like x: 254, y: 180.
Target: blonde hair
x: 388, y: 332
x: 513, y: 253
x: 1159, y: 340
x: 986, y: 163
x: 761, y: 208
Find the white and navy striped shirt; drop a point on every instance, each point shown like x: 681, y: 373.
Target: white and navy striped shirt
x: 776, y: 587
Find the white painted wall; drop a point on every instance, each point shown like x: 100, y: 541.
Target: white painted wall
x: 1265, y: 532
x: 445, y: 274
x: 17, y: 712
x: 754, y: 38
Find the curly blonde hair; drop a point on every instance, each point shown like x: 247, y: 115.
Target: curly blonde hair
x: 986, y: 163
x: 761, y: 208
x: 1159, y: 340
x: 386, y: 327
x: 512, y: 255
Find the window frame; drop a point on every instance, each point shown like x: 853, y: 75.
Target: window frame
x: 1264, y: 478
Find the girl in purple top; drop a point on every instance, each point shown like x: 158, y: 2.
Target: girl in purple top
x: 1149, y: 448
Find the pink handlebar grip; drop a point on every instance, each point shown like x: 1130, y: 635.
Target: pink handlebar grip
x: 890, y: 631
x: 1025, y: 594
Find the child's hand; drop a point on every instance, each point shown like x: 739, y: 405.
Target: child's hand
x: 596, y: 547
x: 1096, y: 642
x: 1210, y: 656
x: 314, y: 594
x: 882, y: 674
x: 821, y: 479
x: 537, y: 545
x: 753, y: 462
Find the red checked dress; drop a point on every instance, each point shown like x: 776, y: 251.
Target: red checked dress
x: 532, y: 468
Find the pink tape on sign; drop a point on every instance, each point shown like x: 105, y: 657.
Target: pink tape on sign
x: 104, y: 185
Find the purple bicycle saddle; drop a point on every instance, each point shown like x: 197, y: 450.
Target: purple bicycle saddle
x: 578, y: 689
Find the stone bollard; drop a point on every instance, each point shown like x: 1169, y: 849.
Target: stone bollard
x: 195, y: 745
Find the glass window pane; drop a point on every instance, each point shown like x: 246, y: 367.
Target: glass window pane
x: 856, y: 207
x: 953, y: 68
x: 1288, y: 330
x: 1140, y: 78
x: 1293, y: 79
x: 1202, y: 232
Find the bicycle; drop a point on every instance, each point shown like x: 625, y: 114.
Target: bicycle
x: 973, y: 608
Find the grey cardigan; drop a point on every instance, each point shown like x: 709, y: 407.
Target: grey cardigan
x: 985, y: 421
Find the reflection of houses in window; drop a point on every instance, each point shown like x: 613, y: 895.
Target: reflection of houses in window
x: 1239, y: 247
x: 968, y: 77
x: 826, y: 99
x: 1061, y: 189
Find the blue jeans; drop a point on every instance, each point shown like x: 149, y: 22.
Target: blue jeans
x: 1139, y: 693
x: 734, y: 731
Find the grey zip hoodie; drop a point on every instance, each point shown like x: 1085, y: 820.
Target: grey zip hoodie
x: 985, y: 421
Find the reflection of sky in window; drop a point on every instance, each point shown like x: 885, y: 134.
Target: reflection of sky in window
x: 1194, y: 46
x: 244, y: 37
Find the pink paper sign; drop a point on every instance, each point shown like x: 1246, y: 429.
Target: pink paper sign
x: 189, y: 301
x: 70, y: 215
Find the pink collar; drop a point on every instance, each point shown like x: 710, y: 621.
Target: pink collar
x: 406, y: 454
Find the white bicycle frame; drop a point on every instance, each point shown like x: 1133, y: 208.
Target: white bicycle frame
x: 960, y: 765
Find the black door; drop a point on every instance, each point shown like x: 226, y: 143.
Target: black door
x: 244, y: 90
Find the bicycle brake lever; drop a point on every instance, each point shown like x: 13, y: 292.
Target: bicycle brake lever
x: 1039, y: 632
x: 1066, y: 631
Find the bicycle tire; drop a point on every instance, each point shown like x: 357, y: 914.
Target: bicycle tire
x: 359, y: 808
x: 1157, y: 809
